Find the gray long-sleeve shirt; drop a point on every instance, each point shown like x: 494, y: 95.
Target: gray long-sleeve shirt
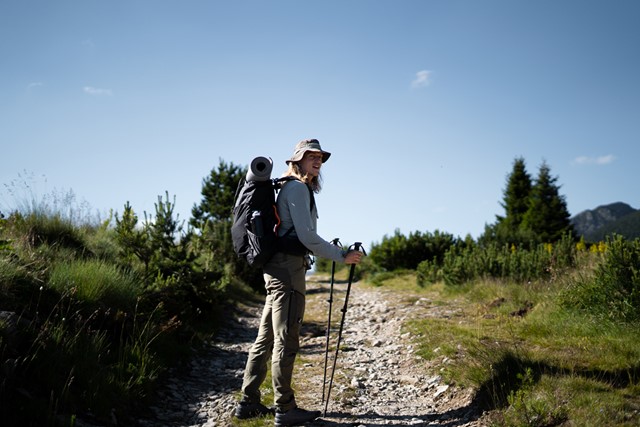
x: 293, y: 205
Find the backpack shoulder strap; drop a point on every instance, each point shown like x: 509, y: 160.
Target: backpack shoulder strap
x: 279, y: 182
x: 238, y: 190
x: 313, y: 199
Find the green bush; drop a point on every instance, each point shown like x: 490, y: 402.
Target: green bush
x: 613, y: 291
x: 464, y: 263
x: 101, y: 242
x: 406, y: 252
x: 427, y: 273
x: 323, y: 265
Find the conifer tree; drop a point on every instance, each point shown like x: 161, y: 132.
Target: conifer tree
x: 218, y: 192
x: 213, y: 219
x: 170, y: 255
x: 158, y: 243
x: 515, y: 201
x: 547, y: 218
x: 133, y: 241
x: 213, y: 216
x: 516, y: 197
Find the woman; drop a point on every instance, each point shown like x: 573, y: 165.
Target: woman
x: 284, y: 274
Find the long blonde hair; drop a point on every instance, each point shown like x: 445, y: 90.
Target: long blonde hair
x: 314, y: 182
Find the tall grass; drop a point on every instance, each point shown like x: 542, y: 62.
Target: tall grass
x: 39, y: 228
x: 66, y: 359
x: 74, y: 363
x: 96, y: 283
x: 29, y: 194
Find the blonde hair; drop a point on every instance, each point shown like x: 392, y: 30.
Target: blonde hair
x: 314, y: 182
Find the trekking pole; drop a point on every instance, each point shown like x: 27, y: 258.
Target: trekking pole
x: 356, y: 247
x: 336, y: 242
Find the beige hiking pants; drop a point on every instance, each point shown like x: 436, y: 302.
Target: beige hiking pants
x: 279, y: 332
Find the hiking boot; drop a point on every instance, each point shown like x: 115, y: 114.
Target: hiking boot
x: 295, y: 417
x: 245, y: 410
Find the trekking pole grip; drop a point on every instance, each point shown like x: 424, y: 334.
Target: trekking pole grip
x: 357, y: 246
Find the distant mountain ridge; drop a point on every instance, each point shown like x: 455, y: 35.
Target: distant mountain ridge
x: 596, y: 224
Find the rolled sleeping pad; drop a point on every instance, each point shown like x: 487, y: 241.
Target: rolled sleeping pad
x: 260, y: 169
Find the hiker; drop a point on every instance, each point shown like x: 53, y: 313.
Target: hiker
x: 284, y: 275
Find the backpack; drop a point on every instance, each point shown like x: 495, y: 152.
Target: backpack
x: 254, y: 230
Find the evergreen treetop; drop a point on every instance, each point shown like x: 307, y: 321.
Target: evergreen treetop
x: 535, y: 212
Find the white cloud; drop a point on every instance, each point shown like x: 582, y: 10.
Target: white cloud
x: 94, y: 91
x: 34, y: 85
x: 605, y: 160
x: 581, y: 160
x: 422, y: 79
x: 601, y: 160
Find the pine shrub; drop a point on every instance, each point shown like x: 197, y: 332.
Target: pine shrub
x: 613, y: 291
x: 463, y: 264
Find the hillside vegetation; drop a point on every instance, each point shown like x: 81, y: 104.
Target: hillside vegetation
x: 93, y: 313
x: 86, y: 330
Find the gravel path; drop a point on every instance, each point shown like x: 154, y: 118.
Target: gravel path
x: 378, y: 379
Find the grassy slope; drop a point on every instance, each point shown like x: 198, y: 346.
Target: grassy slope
x: 533, y: 362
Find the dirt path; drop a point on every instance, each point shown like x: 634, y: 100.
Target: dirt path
x: 378, y: 379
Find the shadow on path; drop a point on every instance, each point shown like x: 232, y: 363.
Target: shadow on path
x: 453, y: 418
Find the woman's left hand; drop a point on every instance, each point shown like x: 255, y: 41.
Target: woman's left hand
x: 353, y: 257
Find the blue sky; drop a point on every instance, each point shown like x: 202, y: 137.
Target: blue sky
x: 424, y: 104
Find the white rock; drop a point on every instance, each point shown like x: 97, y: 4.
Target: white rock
x: 439, y: 390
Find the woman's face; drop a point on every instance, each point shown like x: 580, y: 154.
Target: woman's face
x: 311, y: 163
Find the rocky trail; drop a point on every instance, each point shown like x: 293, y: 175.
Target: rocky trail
x: 379, y: 380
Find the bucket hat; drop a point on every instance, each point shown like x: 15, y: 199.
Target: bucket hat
x: 308, y: 145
